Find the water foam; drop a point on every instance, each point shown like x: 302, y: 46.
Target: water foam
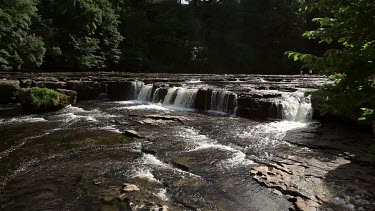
x: 26, y: 119
x: 202, y: 142
x: 162, y: 194
x: 268, y: 135
x: 149, y: 162
x: 146, y: 93
x: 147, y: 107
x: 296, y: 107
x: 144, y: 174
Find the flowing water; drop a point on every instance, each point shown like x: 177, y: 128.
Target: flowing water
x: 66, y: 160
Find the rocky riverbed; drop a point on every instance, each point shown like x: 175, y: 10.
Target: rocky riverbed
x: 181, y: 142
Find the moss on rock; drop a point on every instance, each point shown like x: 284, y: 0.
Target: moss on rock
x: 41, y: 100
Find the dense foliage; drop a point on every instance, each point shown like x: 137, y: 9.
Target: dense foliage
x: 349, y: 30
x: 79, y: 34
x: 225, y: 36
x: 19, y: 47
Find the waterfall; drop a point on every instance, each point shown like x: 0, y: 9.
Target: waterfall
x: 218, y: 100
x: 136, y: 88
x: 224, y: 101
x: 155, y: 98
x: 296, y: 107
x: 145, y: 93
x: 185, y: 98
x: 170, y: 97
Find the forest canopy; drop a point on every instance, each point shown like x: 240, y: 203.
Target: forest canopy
x: 212, y: 36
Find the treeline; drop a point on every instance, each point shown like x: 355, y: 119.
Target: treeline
x: 211, y: 36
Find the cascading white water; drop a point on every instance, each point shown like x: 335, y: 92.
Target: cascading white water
x: 221, y: 101
x: 296, y: 107
x: 168, y: 99
x: 185, y: 98
x: 155, y: 98
x: 145, y: 93
x: 136, y: 88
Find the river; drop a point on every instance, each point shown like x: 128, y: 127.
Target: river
x: 84, y: 156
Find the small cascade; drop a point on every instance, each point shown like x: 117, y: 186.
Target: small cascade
x: 136, y: 88
x: 171, y: 96
x: 185, y: 98
x: 224, y: 101
x: 216, y: 100
x: 296, y: 107
x: 146, y: 93
x: 155, y: 98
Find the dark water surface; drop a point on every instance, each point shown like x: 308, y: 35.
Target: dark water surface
x: 67, y: 160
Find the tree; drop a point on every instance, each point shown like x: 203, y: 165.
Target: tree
x: 349, y: 30
x: 271, y: 27
x: 80, y: 34
x: 160, y: 35
x: 19, y: 47
x: 351, y: 27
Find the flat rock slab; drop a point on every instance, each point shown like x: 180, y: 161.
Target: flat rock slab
x: 321, y: 183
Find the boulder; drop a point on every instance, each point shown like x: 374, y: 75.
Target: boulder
x: 8, y: 91
x: 42, y: 100
x: 72, y: 95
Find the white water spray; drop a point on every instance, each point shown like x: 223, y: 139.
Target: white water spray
x: 185, y: 98
x: 145, y: 93
x: 295, y: 107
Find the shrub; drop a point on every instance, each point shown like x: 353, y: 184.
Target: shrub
x: 345, y: 99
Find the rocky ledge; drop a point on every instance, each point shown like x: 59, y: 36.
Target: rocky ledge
x: 325, y: 172
x: 249, y: 96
